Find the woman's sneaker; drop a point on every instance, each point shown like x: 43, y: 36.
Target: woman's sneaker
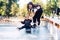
x: 34, y: 26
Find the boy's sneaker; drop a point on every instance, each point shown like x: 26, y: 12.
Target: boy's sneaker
x: 19, y: 28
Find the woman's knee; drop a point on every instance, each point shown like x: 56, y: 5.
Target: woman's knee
x: 34, y: 19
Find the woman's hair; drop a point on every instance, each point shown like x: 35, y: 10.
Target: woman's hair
x: 30, y: 3
x: 36, y: 5
x: 33, y: 6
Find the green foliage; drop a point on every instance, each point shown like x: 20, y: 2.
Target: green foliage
x: 5, y: 6
x: 23, y: 14
x: 51, y: 4
x: 1, y: 3
x: 14, y: 9
x: 47, y: 10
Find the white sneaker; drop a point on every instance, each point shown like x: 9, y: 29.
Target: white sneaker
x: 38, y: 26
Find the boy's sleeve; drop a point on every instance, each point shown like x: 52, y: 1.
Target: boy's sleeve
x: 23, y: 22
x: 30, y: 20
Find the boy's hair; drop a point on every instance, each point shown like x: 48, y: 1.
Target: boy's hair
x: 27, y: 16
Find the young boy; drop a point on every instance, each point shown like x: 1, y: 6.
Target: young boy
x: 27, y: 24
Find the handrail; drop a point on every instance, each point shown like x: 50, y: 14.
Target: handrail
x: 52, y: 22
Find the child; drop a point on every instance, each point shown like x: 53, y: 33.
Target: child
x: 27, y: 24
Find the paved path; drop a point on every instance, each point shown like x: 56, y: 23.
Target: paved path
x: 8, y: 31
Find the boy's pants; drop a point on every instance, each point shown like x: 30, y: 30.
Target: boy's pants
x: 28, y: 29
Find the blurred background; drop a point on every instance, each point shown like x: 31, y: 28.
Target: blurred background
x: 9, y: 8
x: 12, y: 12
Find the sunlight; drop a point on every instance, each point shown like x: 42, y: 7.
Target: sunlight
x: 44, y: 1
x: 23, y: 2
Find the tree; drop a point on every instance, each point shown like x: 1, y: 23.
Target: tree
x: 8, y: 7
x: 14, y: 9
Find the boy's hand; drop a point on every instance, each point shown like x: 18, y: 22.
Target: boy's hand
x: 21, y: 21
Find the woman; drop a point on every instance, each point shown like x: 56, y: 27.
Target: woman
x: 37, y: 15
x: 37, y: 10
x: 30, y: 7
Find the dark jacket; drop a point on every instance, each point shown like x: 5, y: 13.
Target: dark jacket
x: 27, y: 22
x: 39, y: 12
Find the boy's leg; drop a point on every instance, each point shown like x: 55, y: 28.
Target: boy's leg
x: 28, y: 30
x: 21, y: 27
